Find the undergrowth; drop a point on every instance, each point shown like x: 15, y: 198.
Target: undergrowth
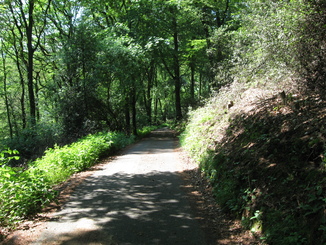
x: 61, y: 162
x: 24, y: 191
x: 142, y: 132
x: 266, y: 162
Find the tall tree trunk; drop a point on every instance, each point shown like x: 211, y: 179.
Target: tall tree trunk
x: 200, y: 84
x: 22, y: 103
x: 148, y: 95
x: 22, y: 96
x: 176, y: 68
x: 134, y: 113
x: 5, y: 93
x: 127, y: 115
x: 30, y: 66
x: 37, y: 89
x: 29, y: 24
x: 192, y: 83
x: 19, y: 55
x: 155, y: 110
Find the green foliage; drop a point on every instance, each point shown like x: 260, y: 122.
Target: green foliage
x: 6, y: 156
x: 31, y: 142
x: 271, y: 177
x: 24, y: 192
x: 59, y: 163
x: 309, y: 48
x: 120, y: 64
x: 146, y: 130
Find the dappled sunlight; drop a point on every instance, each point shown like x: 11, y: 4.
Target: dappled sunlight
x: 268, y: 168
x: 134, y: 209
x: 135, y: 199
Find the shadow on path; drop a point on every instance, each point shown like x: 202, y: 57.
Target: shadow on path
x: 136, y: 199
x: 128, y: 209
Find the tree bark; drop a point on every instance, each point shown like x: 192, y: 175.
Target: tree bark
x: 192, y: 82
x: 30, y: 65
x: 5, y: 93
x: 148, y: 95
x: 127, y: 116
x: 134, y: 112
x: 176, y: 68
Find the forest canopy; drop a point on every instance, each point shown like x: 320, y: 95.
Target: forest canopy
x: 69, y: 68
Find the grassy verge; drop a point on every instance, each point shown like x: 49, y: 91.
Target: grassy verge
x: 266, y: 161
x: 24, y: 192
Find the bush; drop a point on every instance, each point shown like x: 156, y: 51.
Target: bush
x: 59, y: 163
x: 146, y: 130
x: 271, y: 177
x: 25, y: 192
x: 32, y: 142
x: 22, y: 193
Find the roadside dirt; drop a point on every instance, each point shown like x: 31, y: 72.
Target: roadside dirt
x: 217, y: 227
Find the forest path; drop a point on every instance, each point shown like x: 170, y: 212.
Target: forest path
x: 135, y: 199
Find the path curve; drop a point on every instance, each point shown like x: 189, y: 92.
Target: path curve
x: 135, y: 199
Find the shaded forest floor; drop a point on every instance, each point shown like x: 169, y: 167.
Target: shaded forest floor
x: 219, y: 227
x: 265, y: 158
x: 277, y: 151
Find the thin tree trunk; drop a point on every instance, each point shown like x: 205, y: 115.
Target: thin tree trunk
x: 148, y: 97
x: 192, y: 83
x: 200, y: 84
x: 127, y: 115
x: 30, y: 65
x: 155, y: 110
x: 6, y: 95
x: 134, y: 112
x: 19, y: 55
x: 176, y: 68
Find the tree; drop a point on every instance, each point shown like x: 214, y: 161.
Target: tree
x: 5, y: 90
x: 311, y: 43
x: 30, y: 22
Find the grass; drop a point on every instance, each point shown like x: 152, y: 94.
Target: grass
x: 267, y: 166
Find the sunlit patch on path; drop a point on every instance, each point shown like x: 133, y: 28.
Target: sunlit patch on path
x: 135, y: 199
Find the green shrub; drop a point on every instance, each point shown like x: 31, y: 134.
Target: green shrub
x: 6, y: 156
x: 24, y: 192
x: 32, y: 142
x: 146, y: 130
x: 59, y: 163
x: 271, y: 178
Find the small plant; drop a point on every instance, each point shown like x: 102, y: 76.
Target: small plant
x: 6, y: 156
x: 21, y: 194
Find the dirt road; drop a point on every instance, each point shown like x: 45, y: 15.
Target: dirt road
x: 134, y: 199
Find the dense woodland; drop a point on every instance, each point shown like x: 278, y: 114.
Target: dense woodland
x: 71, y: 68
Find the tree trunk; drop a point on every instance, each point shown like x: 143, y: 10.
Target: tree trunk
x: 134, y: 113
x: 127, y: 116
x: 148, y: 96
x: 155, y: 110
x: 176, y: 68
x: 6, y: 95
x: 30, y: 64
x: 17, y: 45
x: 192, y: 83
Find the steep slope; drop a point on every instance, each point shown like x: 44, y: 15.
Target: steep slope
x: 265, y: 157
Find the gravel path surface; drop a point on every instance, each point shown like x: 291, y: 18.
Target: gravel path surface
x: 135, y: 199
